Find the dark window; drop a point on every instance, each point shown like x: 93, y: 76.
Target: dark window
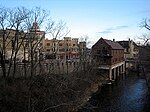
x: 98, y: 51
x: 26, y: 45
x: 104, y: 60
x: 62, y: 50
x: 60, y: 44
x: 48, y: 44
x: 127, y: 50
x: 40, y: 44
x: 12, y: 43
x: 47, y: 49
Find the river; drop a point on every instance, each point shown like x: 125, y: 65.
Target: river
x: 128, y: 94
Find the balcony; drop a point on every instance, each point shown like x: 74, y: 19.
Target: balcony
x: 107, y: 56
x: 103, y: 55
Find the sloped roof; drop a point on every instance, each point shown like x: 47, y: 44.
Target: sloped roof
x: 113, y: 44
x: 124, y: 44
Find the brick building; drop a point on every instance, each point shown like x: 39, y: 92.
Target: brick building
x: 109, y: 55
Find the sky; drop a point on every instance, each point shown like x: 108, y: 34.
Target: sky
x: 110, y: 19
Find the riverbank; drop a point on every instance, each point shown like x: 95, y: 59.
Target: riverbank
x: 97, y: 87
x: 128, y: 94
x: 147, y: 75
x: 51, y: 92
x: 145, y: 71
x: 94, y: 87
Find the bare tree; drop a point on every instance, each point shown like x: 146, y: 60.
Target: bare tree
x: 44, y: 92
x: 83, y: 52
x: 12, y: 24
x: 146, y: 24
x: 36, y: 17
x: 56, y: 31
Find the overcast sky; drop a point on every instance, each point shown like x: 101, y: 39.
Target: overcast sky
x: 119, y: 19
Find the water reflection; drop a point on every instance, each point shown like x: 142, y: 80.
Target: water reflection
x: 128, y: 94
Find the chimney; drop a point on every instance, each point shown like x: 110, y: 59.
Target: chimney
x: 129, y: 39
x: 113, y: 40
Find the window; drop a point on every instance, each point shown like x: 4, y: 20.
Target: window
x: 40, y: 44
x: 127, y: 50
x: 61, y: 50
x: 98, y: 51
x: 104, y: 60
x: 60, y: 44
x: 26, y: 45
x: 47, y: 49
x: 48, y: 44
x: 54, y: 44
x: 12, y: 43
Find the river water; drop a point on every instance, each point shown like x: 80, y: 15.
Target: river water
x: 128, y: 94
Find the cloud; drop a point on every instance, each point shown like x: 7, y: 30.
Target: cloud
x: 110, y: 30
x: 145, y: 11
x: 120, y: 27
x: 104, y: 32
x: 116, y: 28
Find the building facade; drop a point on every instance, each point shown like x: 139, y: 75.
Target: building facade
x: 67, y: 48
x: 109, y: 55
x: 131, y: 50
x: 32, y: 44
x: 131, y: 53
x: 19, y: 43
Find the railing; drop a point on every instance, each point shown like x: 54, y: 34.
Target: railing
x: 103, y: 55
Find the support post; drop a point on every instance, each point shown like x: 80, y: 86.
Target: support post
x: 114, y: 73
x: 110, y: 74
x: 124, y: 68
x: 118, y: 71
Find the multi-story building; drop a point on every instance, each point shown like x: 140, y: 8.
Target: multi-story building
x: 14, y: 42
x: 131, y: 50
x: 67, y: 48
x: 34, y: 43
x: 131, y: 53
x: 109, y: 55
